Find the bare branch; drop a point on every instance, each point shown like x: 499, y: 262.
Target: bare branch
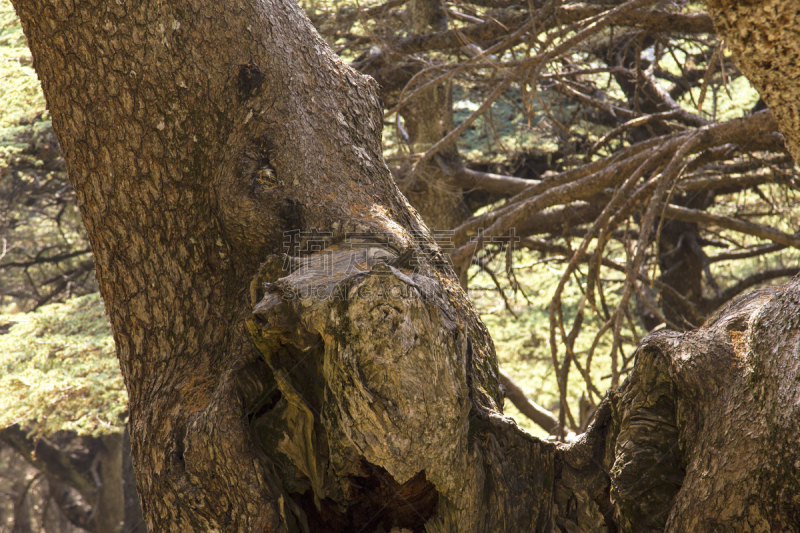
x: 749, y: 282
x: 741, y: 226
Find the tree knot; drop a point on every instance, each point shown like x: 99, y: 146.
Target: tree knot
x: 250, y: 79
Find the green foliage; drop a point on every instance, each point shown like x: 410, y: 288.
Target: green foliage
x: 58, y: 370
x: 21, y: 97
x: 510, y: 128
x: 44, y: 253
x: 522, y: 339
x: 523, y: 350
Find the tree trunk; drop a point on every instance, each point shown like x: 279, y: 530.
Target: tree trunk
x: 197, y: 138
x: 763, y: 38
x: 109, y: 508
x: 340, y: 380
x: 432, y: 189
x: 22, y: 510
x: 702, y: 435
x: 435, y: 195
x: 134, y: 523
x: 87, y: 477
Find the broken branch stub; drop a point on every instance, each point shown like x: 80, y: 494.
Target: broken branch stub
x: 372, y: 372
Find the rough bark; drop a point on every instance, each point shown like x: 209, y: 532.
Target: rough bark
x: 196, y: 136
x: 702, y: 435
x: 375, y: 364
x: 315, y: 384
x: 763, y: 36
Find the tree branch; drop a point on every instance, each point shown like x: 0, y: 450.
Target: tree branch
x: 504, y: 23
x: 748, y: 282
x: 77, y: 511
x: 541, y: 416
x: 49, y: 459
x: 748, y: 228
x: 755, y: 251
x: 44, y: 260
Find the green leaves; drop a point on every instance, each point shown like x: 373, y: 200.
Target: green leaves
x: 58, y: 370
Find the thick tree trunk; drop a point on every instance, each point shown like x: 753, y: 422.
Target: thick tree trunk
x: 340, y: 380
x: 432, y: 189
x: 197, y: 137
x: 703, y: 434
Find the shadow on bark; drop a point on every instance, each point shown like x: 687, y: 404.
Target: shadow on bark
x: 373, y: 426
x: 697, y: 438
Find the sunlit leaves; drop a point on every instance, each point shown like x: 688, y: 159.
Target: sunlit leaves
x: 58, y: 370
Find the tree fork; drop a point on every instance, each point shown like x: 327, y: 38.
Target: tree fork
x: 196, y: 134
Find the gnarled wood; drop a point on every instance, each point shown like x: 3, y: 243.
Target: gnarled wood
x: 701, y: 436
x: 199, y: 135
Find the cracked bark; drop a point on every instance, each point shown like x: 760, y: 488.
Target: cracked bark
x: 196, y: 134
x: 763, y: 37
x: 191, y: 156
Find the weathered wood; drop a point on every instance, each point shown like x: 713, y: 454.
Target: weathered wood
x: 702, y: 435
x: 199, y: 135
x: 372, y: 365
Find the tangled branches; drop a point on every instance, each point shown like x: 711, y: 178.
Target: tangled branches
x: 629, y: 144
x: 615, y: 138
